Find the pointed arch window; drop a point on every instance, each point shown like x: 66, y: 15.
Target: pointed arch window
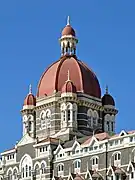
x: 37, y: 169
x: 95, y: 118
x: 15, y: 174
x: 10, y: 175
x: 43, y: 168
x: 90, y: 118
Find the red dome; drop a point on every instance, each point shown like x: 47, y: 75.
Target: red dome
x: 82, y: 77
x: 68, y: 87
x: 30, y: 100
x: 68, y: 30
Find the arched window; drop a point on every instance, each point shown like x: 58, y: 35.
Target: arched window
x: 107, y: 122
x: 60, y: 170
x: 37, y: 169
x: 25, y: 166
x: 43, y: 168
x: 117, y: 158
x: 45, y: 117
x: 60, y: 167
x: 9, y: 175
x: 95, y: 162
x: 15, y: 173
x: 69, y: 111
x: 42, y: 117
x: 77, y: 166
x: 95, y: 118
x: 90, y: 118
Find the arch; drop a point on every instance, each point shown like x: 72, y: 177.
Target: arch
x: 95, y: 118
x: 30, y: 117
x: 116, y: 152
x: 60, y: 167
x: 75, y: 107
x: 25, y: 166
x: 1, y: 177
x: 77, y: 163
x: 69, y: 106
x: 43, y: 167
x: 63, y: 106
x: 95, y: 160
x: 15, y: 172
x: 42, y: 115
x: 25, y: 118
x: 10, y: 173
x: 37, y: 168
x: 89, y: 118
x: 107, y: 117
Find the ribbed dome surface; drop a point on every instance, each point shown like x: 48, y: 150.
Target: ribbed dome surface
x: 54, y: 78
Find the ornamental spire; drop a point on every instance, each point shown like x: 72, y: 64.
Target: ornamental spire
x: 106, y: 89
x: 68, y: 20
x: 30, y: 89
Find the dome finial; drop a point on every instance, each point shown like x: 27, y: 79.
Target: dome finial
x: 30, y: 89
x: 68, y: 20
x: 106, y: 89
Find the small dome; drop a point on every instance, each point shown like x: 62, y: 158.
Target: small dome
x: 68, y: 30
x: 107, y: 99
x: 30, y: 100
x: 68, y: 87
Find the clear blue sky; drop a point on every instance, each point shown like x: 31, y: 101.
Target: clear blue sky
x: 29, y: 32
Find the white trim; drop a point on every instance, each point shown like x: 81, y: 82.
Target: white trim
x: 8, y: 152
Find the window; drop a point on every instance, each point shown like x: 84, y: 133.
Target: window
x: 10, y: 175
x: 112, y: 126
x: 43, y: 168
x: 117, y: 177
x: 15, y: 174
x: 77, y: 164
x: 11, y: 156
x: 23, y: 172
x: 68, y: 113
x: 26, y: 164
x: 108, y: 126
x: 132, y: 175
x: 117, y: 159
x: 26, y: 169
x: 30, y: 126
x: 60, y: 167
x: 37, y: 170
x: 95, y: 161
x: 89, y: 118
x: 29, y: 170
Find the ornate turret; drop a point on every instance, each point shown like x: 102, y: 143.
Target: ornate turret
x: 68, y: 40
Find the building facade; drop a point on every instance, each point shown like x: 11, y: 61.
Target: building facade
x: 69, y: 128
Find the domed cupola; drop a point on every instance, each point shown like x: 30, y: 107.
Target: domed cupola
x: 83, y: 79
x: 68, y: 87
x: 107, y: 99
x: 30, y: 100
x: 68, y: 40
